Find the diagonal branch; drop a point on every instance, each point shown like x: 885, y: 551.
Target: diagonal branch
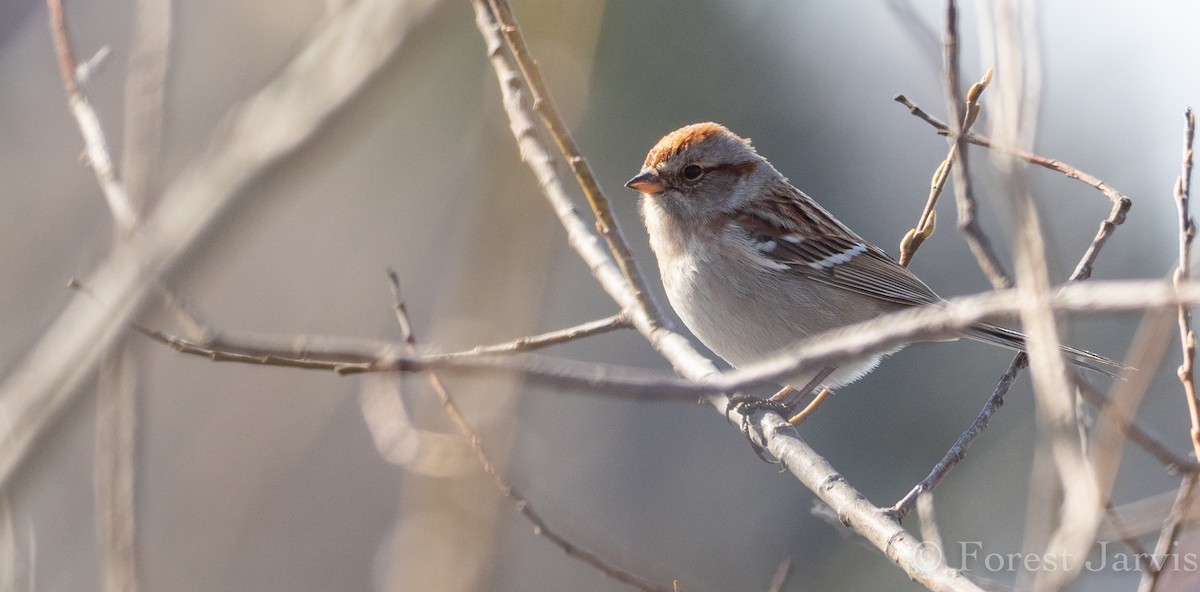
x: 925, y: 224
x: 543, y: 105
x: 979, y: 243
x: 673, y: 346
x: 256, y: 134
x: 519, y: 502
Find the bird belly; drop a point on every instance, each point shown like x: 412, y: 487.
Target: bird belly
x: 766, y: 320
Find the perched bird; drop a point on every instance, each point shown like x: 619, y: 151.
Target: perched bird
x: 753, y: 266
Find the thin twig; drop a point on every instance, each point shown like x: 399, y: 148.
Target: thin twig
x: 342, y: 355
x: 674, y: 347
x: 1147, y: 515
x: 1169, y: 534
x: 96, y: 146
x: 116, y: 411
x: 979, y: 243
x: 1116, y: 421
x: 544, y: 340
x: 958, y: 450
x: 1120, y: 203
x: 255, y: 135
x: 519, y: 502
x: 1121, y: 418
x: 926, y: 223
x: 1127, y: 537
x: 543, y: 105
x: 877, y: 335
x: 1047, y: 163
x: 1187, y: 232
x: 1082, y: 271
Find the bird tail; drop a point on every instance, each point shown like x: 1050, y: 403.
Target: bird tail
x: 1015, y: 340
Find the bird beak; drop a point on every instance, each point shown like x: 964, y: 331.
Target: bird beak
x: 647, y: 182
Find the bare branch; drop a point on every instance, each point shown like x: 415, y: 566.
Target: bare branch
x: 1180, y: 510
x: 1148, y: 515
x: 1187, y: 232
x: 519, y: 502
x: 1120, y: 203
x: 881, y: 334
x: 543, y: 105
x: 123, y: 211
x: 1118, y: 411
x: 536, y: 342
x: 255, y: 135
x: 853, y: 509
x: 1047, y: 163
x: 673, y: 346
x: 113, y: 468
x: 958, y: 450
x: 1075, y: 493
x: 926, y: 223
x: 989, y: 262
x: 145, y: 89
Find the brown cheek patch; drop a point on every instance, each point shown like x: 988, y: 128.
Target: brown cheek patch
x: 737, y: 169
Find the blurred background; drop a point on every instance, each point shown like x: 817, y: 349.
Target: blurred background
x: 253, y: 478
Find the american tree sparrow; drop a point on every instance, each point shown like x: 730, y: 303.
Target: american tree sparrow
x: 754, y: 266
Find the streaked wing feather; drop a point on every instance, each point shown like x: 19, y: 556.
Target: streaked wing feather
x: 806, y: 240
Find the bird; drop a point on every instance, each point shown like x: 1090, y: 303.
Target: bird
x: 753, y: 266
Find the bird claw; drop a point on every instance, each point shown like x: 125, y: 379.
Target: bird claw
x: 747, y: 405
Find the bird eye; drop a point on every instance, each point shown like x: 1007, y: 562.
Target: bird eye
x: 692, y: 172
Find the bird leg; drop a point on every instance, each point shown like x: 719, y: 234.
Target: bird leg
x: 809, y: 409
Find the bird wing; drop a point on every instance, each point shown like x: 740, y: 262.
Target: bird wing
x: 796, y: 235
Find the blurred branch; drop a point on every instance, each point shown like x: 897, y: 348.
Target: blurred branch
x: 1147, y: 515
x: 1187, y: 233
x: 1118, y: 411
x: 782, y: 574
x: 1082, y: 271
x: 921, y: 32
x: 1074, y: 497
x: 145, y: 89
x: 967, y: 222
x: 1169, y: 535
x: 519, y: 502
x: 114, y: 471
x: 256, y: 134
x: 877, y: 335
x: 930, y: 532
x: 543, y: 105
x: 8, y: 547
x: 1122, y: 532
